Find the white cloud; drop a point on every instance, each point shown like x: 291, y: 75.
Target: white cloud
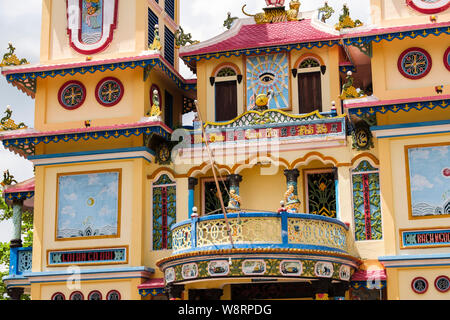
x: 419, y: 183
x: 93, y: 179
x: 71, y: 197
x: 105, y: 211
x: 68, y: 211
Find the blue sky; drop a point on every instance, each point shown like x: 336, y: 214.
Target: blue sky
x: 20, y: 23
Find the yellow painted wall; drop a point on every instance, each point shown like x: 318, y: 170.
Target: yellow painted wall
x: 389, y: 83
x: 394, y: 12
x: 400, y: 191
x: 207, y: 68
x: 53, y: 116
x: 406, y: 276
x: 131, y: 215
x: 126, y: 288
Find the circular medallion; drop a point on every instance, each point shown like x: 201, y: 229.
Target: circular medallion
x: 95, y: 295
x: 419, y: 285
x: 72, y: 95
x: 442, y: 284
x: 58, y: 296
x: 429, y: 6
x: 113, y: 295
x: 414, y: 63
x: 447, y: 58
x: 77, y: 295
x: 109, y: 92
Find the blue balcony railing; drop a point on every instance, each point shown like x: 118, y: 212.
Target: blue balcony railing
x: 263, y: 230
x: 20, y: 261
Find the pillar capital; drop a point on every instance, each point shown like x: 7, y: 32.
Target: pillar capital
x: 291, y: 175
x: 192, y: 183
x: 234, y: 180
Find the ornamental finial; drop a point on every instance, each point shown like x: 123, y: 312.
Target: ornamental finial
x: 10, y: 58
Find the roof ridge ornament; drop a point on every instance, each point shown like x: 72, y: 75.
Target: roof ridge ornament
x: 276, y: 12
x: 10, y: 58
x: 345, y: 21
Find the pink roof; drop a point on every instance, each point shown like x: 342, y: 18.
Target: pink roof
x: 266, y: 35
x: 384, y: 30
x: 394, y: 102
x: 29, y: 133
x: 364, y: 275
x: 21, y: 187
x: 152, y: 284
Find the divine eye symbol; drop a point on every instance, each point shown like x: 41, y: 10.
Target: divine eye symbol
x: 267, y: 78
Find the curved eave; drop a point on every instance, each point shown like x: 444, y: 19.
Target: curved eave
x: 362, y: 36
x: 23, y: 142
x: 237, y: 251
x: 24, y: 77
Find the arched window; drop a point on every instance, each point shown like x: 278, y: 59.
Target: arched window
x: 225, y: 81
x: 366, y: 202
x: 164, y: 211
x: 309, y: 79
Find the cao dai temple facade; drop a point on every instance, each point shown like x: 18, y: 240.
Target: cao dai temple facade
x: 317, y: 165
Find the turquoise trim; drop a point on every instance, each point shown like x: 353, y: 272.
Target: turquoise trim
x: 410, y: 125
x: 89, y: 153
x: 415, y: 257
x: 395, y: 108
x: 102, y: 68
x: 88, y: 271
x: 248, y: 52
x: 89, y: 161
x: 30, y: 142
x: 359, y: 41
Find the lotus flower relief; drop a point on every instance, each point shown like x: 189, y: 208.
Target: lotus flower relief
x: 275, y: 3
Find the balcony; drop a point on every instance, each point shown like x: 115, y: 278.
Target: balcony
x: 262, y: 230
x: 276, y: 245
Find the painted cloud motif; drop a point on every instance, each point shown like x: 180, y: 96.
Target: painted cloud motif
x: 88, y: 205
x: 429, y: 171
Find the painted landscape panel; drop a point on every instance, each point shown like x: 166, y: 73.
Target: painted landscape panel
x: 429, y: 180
x: 88, y: 205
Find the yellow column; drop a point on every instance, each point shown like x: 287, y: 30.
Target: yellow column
x: 393, y: 289
x: 38, y: 220
x: 137, y: 214
x: 45, y: 30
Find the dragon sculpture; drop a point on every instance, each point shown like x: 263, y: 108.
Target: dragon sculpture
x: 7, y: 124
x: 182, y: 39
x: 8, y: 179
x: 345, y: 21
x: 10, y: 59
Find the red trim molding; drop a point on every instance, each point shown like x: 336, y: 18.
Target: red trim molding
x: 108, y: 40
x: 414, y: 282
x: 64, y: 87
x: 436, y: 283
x: 415, y: 4
x: 101, y: 83
x: 402, y: 56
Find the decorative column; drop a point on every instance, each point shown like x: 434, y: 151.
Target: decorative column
x: 291, y: 200
x: 192, y: 182
x: 234, y: 205
x: 16, y: 241
x: 174, y: 292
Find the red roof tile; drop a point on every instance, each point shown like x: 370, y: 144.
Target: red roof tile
x: 267, y: 35
x: 25, y: 186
